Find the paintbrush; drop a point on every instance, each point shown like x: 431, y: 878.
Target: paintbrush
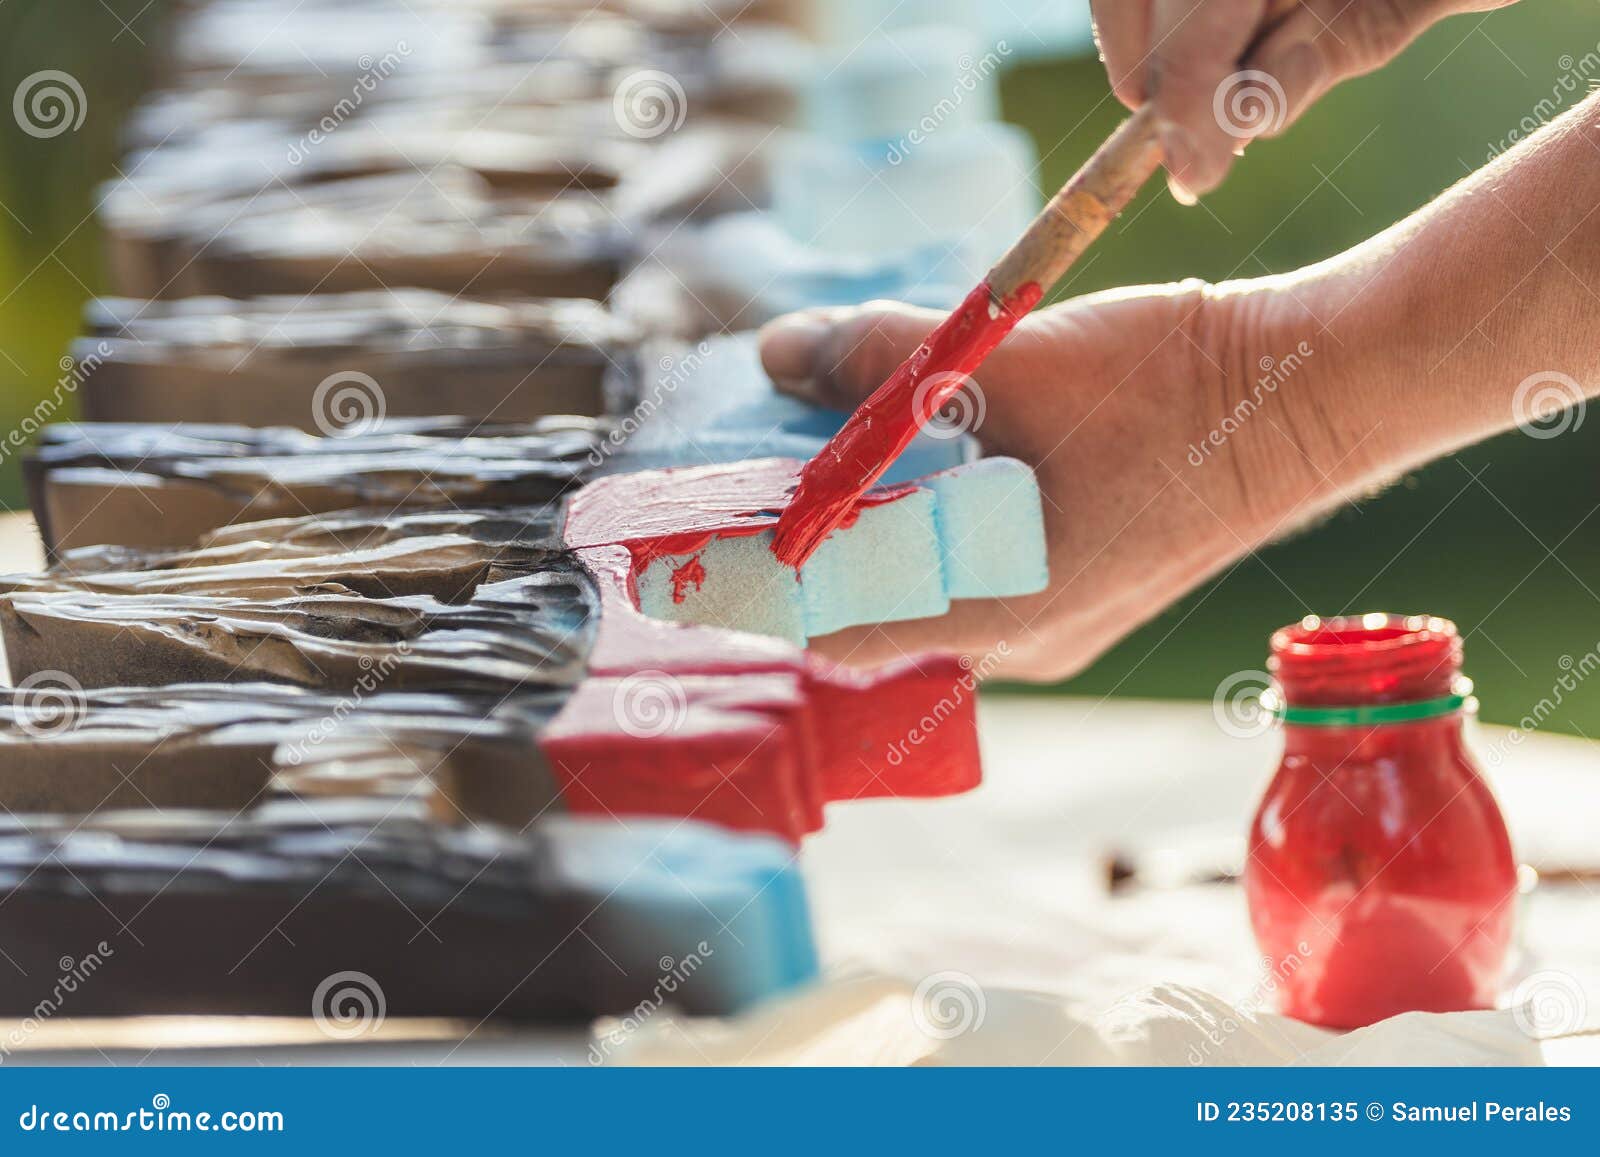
x: 832, y: 483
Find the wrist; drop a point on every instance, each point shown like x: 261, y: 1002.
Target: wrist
x: 1297, y: 400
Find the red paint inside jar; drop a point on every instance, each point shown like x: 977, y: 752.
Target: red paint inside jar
x: 1380, y: 876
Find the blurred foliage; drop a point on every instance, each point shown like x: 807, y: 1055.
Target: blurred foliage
x: 49, y: 245
x: 1511, y: 559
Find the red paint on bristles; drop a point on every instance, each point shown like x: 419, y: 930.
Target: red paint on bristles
x: 832, y: 483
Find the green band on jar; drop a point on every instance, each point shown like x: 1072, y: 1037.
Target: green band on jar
x: 1372, y: 713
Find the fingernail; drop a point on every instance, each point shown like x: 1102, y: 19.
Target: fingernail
x: 1177, y: 147
x: 789, y: 346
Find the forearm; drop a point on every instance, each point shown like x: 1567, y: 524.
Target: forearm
x: 1425, y: 333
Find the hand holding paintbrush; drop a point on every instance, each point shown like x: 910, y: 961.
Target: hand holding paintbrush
x: 833, y: 481
x: 856, y: 457
x: 1218, y: 73
x: 1127, y: 403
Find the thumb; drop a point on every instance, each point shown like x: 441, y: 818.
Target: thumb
x: 1068, y: 358
x: 836, y: 357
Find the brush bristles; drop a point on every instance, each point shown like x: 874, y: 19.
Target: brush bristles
x: 801, y: 530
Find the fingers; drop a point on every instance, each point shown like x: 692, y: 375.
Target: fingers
x: 1221, y: 73
x: 971, y: 629
x: 989, y: 636
x: 1122, y: 30
x: 1319, y: 45
x: 1034, y: 639
x: 1299, y: 61
x: 1195, y: 47
x: 1326, y: 41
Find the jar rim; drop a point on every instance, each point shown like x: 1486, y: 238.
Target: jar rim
x: 1374, y: 658
x: 1373, y: 634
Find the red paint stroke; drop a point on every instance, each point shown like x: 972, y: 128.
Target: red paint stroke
x: 691, y: 573
x: 833, y: 482
x: 738, y: 729
x: 675, y: 512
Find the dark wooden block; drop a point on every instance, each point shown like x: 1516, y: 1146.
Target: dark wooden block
x: 155, y: 486
x: 284, y: 909
x: 317, y: 362
x: 465, y: 758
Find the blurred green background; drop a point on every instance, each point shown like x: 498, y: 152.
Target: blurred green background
x: 1507, y: 558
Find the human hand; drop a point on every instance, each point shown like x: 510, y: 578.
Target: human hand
x: 1172, y: 429
x: 1223, y: 72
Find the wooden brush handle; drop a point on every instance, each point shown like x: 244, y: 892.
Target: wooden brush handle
x: 1095, y: 195
x: 1082, y: 209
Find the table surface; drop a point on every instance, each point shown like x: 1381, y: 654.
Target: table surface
x: 1005, y: 884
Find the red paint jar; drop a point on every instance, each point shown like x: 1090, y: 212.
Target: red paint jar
x: 1380, y: 877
